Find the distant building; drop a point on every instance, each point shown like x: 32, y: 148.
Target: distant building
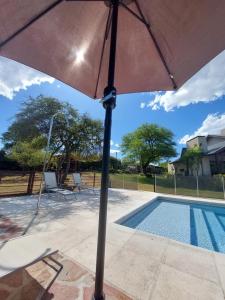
x: 213, y: 156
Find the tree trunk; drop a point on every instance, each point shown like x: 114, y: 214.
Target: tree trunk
x: 68, y: 160
x: 144, y: 167
x: 59, y: 168
x: 30, y: 182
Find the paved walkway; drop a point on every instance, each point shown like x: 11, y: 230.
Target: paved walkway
x: 139, y: 265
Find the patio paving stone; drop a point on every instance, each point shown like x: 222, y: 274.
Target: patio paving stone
x: 135, y: 274
x: 220, y: 265
x: 173, y: 284
x: 192, y: 260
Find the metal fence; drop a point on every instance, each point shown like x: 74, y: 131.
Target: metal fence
x: 20, y: 183
x: 197, y: 186
x: 16, y: 183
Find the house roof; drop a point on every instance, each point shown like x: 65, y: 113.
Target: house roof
x: 214, y: 151
x: 208, y: 136
x: 195, y: 137
x: 215, y: 135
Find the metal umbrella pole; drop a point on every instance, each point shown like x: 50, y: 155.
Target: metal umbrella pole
x: 109, y: 103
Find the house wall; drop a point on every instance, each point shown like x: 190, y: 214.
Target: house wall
x: 199, y: 141
x: 206, y: 170
x: 180, y: 168
x: 217, y: 163
x: 210, y: 164
x: 170, y: 167
x: 215, y: 142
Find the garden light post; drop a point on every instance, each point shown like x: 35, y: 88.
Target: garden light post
x: 46, y: 156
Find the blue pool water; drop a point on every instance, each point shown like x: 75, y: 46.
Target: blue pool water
x: 201, y: 225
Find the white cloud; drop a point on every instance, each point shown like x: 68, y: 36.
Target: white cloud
x: 142, y: 105
x: 111, y: 143
x: 213, y: 124
x: 15, y: 77
x: 205, y: 86
x: 113, y: 151
x: 117, y: 145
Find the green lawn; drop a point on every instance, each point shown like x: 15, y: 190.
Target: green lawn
x: 208, y: 187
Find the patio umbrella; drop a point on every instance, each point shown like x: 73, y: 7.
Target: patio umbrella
x: 116, y: 47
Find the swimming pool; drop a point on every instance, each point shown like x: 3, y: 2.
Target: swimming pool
x: 198, y: 224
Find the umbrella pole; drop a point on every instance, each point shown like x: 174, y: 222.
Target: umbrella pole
x: 109, y: 103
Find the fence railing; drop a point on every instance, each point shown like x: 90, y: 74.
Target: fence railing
x: 197, y: 186
x: 15, y: 183
x: 20, y: 183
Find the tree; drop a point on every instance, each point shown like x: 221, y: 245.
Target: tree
x: 192, y: 157
x: 29, y: 154
x: 82, y: 138
x: 72, y: 132
x: 32, y: 120
x: 148, y: 144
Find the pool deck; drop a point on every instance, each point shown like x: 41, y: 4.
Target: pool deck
x: 143, y: 266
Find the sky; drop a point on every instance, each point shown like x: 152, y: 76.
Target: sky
x: 197, y: 108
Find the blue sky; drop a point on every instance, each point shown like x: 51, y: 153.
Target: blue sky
x: 197, y: 108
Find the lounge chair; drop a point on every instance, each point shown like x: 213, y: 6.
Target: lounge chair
x: 24, y: 251
x: 52, y: 186
x: 80, y: 184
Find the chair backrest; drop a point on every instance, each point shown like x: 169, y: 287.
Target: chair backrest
x: 50, y: 180
x: 24, y: 251
x: 77, y: 178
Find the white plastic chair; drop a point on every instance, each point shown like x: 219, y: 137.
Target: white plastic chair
x: 52, y: 186
x: 79, y: 184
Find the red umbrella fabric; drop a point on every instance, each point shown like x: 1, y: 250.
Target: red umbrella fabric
x: 67, y: 42
x: 134, y: 45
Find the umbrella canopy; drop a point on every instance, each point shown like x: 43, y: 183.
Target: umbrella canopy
x: 135, y: 45
x: 160, y: 43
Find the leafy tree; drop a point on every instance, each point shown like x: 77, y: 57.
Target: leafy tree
x: 192, y: 157
x: 29, y: 154
x: 148, y: 144
x: 82, y: 137
x: 72, y: 132
x: 32, y: 120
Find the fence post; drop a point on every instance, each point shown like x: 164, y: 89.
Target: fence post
x: 223, y: 187
x: 197, y: 188
x: 94, y: 181
x: 175, y: 184
x: 155, y: 183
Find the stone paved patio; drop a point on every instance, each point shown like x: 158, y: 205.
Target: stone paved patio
x: 138, y: 265
x: 43, y: 281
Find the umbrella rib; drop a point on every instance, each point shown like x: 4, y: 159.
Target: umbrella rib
x: 34, y: 19
x: 133, y: 13
x: 156, y: 45
x: 103, y: 47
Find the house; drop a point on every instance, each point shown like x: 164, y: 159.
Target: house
x: 212, y: 159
